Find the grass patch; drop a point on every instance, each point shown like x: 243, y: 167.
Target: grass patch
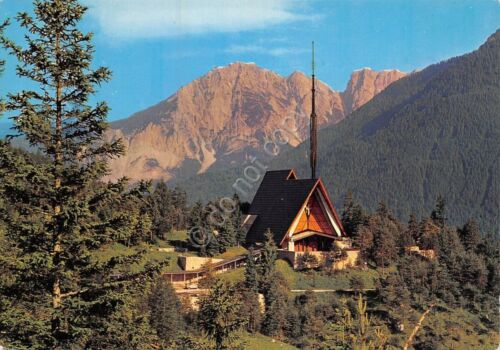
x: 112, y: 250
x: 315, y: 280
x: 180, y: 235
x: 233, y: 276
x: 231, y: 253
x: 152, y: 256
x: 260, y: 342
x: 320, y: 280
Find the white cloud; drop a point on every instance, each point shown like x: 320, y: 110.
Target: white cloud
x: 261, y: 50
x: 131, y: 19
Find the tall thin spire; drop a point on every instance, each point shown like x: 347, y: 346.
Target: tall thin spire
x: 313, y: 137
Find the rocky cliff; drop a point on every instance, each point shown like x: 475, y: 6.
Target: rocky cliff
x: 228, y: 115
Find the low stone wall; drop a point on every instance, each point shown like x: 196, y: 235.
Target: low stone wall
x: 349, y: 261
x: 287, y: 255
x: 294, y: 258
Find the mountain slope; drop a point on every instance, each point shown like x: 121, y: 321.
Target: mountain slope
x: 222, y: 118
x: 434, y: 132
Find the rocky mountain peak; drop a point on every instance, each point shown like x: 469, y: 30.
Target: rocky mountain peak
x: 366, y: 83
x: 223, y: 117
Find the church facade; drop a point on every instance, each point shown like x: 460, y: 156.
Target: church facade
x: 298, y: 212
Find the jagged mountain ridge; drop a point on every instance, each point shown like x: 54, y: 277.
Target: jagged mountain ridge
x: 227, y: 115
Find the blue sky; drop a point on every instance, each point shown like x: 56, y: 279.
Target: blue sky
x: 154, y: 47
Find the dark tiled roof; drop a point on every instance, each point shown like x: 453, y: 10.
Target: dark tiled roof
x: 276, y: 204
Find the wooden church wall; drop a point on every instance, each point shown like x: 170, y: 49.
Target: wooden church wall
x: 317, y: 221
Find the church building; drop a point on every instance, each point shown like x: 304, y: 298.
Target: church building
x: 298, y: 212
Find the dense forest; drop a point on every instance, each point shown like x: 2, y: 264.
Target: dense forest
x: 81, y: 265
x: 434, y: 132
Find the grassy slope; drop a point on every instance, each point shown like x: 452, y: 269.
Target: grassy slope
x: 231, y: 252
x: 317, y: 280
x: 261, y: 342
x: 312, y: 280
x: 152, y: 255
x: 460, y: 330
x: 456, y: 329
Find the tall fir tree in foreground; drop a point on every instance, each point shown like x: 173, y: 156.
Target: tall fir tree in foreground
x: 55, y: 295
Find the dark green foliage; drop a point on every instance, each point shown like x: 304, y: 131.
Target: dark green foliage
x: 251, y: 310
x: 307, y: 261
x: 438, y: 215
x: 227, y: 235
x: 470, y: 235
x: 308, y: 325
x: 217, y: 225
x: 219, y: 314
x: 474, y: 270
x: 357, y: 284
x: 412, y: 234
x: 267, y: 261
x: 56, y: 294
x: 276, y: 299
x: 237, y: 219
x: 489, y: 249
x: 274, y: 287
x: 450, y: 250
x: 251, y: 272
x: 428, y: 233
x: 168, y: 208
x: 393, y: 292
x: 352, y: 215
x: 196, y: 215
x: 378, y: 237
x: 165, y: 311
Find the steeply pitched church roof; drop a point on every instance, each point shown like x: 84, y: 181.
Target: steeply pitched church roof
x: 277, y: 202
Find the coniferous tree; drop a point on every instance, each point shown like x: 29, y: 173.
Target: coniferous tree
x: 267, y: 261
x: 165, y: 311
x: 438, y: 215
x: 251, y: 272
x: 161, y: 209
x: 408, y: 236
x: 61, y: 295
x: 276, y: 299
x: 413, y: 230
x: 450, y: 251
x: 352, y: 216
x: 378, y: 236
x: 470, y: 235
x: 309, y: 325
x: 196, y: 216
x: 180, y: 208
x: 251, y: 310
x: 428, y: 234
x: 227, y: 235
x: 238, y: 221
x: 219, y: 314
